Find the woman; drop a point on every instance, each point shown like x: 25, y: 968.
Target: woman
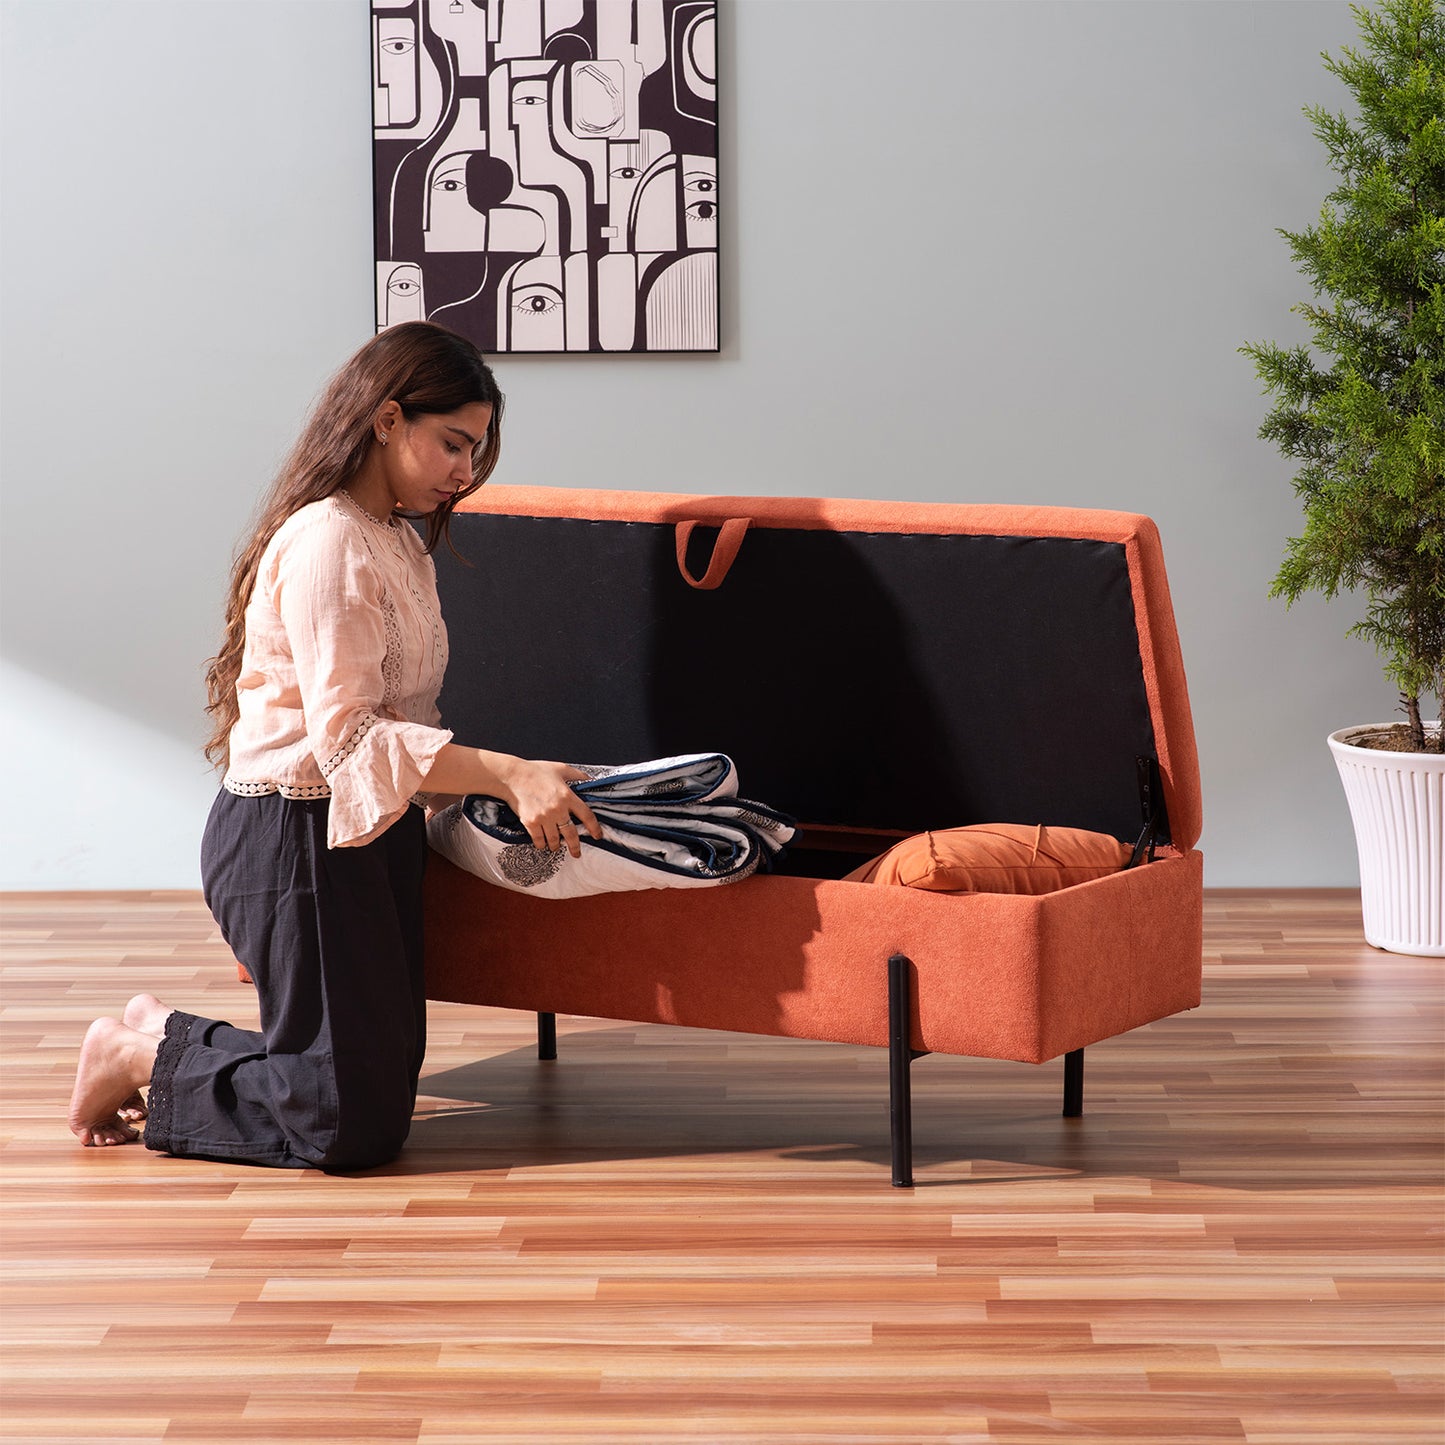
x: 324, y: 698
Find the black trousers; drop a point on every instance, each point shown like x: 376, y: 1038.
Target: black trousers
x: 333, y: 940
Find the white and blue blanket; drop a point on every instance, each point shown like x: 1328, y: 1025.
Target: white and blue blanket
x: 669, y: 823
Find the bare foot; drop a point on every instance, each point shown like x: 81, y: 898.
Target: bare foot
x: 132, y: 1110
x: 114, y: 1061
x: 146, y: 1014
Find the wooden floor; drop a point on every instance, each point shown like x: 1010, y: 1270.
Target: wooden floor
x: 671, y: 1235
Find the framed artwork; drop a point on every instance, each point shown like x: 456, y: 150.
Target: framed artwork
x: 545, y: 171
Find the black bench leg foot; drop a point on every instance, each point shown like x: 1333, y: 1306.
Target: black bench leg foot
x: 900, y: 1056
x: 546, y: 1036
x: 1074, y: 1084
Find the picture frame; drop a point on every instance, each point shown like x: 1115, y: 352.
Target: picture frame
x: 546, y: 172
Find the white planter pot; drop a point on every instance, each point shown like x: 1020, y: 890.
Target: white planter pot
x: 1397, y: 803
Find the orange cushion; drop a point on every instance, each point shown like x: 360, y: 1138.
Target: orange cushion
x: 997, y: 858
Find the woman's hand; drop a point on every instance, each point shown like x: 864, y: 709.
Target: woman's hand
x: 538, y: 794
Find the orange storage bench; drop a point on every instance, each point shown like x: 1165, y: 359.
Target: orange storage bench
x: 876, y: 670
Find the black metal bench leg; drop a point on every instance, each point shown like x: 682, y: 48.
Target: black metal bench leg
x: 900, y: 1056
x: 1074, y: 1084
x: 546, y: 1036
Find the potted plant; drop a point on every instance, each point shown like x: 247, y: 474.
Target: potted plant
x: 1363, y: 415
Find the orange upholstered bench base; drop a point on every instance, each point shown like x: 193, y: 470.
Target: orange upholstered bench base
x: 1001, y: 976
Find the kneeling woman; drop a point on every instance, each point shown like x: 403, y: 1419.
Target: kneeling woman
x: 324, y: 695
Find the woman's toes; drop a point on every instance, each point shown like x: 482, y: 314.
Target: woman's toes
x: 132, y: 1110
x: 110, y: 1131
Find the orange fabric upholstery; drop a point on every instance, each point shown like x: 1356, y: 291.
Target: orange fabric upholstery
x: 1016, y: 975
x: 1007, y: 976
x: 996, y: 858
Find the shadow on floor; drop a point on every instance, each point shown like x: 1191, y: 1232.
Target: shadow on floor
x: 668, y: 1094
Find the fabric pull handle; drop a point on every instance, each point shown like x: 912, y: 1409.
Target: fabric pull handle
x: 729, y: 539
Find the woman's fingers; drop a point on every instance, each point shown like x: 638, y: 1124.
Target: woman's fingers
x: 578, y: 815
x: 557, y: 823
x: 588, y: 818
x: 569, y: 835
x: 554, y: 834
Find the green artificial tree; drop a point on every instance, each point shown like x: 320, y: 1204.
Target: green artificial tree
x: 1366, y: 420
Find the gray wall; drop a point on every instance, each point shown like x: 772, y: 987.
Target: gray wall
x: 973, y: 252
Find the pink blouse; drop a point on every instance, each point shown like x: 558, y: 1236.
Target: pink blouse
x: 343, y: 660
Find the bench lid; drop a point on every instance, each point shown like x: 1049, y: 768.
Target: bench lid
x: 869, y: 665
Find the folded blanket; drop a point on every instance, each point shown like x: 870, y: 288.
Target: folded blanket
x: 669, y: 823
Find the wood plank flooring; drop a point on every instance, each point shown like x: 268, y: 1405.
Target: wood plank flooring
x: 673, y: 1235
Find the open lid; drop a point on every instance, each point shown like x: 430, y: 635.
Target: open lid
x: 868, y: 665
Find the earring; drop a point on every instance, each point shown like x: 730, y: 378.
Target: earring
x: 381, y: 437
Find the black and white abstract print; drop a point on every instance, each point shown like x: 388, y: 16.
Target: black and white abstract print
x: 546, y: 171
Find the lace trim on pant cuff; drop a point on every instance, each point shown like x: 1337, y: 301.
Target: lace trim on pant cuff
x: 159, y: 1102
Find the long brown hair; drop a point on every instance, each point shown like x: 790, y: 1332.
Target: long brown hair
x: 426, y: 370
